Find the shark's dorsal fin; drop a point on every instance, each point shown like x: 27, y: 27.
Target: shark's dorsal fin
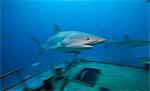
x: 126, y: 37
x: 56, y: 29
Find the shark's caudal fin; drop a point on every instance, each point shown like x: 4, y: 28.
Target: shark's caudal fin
x: 39, y: 44
x: 56, y: 30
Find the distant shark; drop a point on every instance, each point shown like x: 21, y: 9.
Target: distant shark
x: 68, y: 41
x: 127, y: 41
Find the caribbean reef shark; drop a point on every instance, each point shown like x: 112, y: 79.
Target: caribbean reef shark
x: 68, y: 41
x: 127, y: 41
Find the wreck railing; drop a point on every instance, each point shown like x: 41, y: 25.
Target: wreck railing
x: 42, y: 75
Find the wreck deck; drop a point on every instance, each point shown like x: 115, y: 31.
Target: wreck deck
x: 111, y: 78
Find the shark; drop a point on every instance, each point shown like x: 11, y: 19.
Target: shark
x: 68, y: 41
x: 127, y: 41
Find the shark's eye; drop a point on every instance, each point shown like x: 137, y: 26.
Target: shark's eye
x: 87, y: 38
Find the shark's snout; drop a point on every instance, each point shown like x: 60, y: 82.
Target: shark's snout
x: 93, y: 42
x: 100, y: 40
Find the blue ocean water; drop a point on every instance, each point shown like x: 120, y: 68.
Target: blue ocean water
x: 110, y: 19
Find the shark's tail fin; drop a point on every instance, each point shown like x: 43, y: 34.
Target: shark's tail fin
x: 39, y: 44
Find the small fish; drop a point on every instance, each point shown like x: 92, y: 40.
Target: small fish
x: 35, y: 64
x: 68, y: 41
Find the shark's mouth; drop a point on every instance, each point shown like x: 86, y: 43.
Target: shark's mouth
x: 88, y: 45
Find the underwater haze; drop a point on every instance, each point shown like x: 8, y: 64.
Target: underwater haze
x: 109, y: 19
